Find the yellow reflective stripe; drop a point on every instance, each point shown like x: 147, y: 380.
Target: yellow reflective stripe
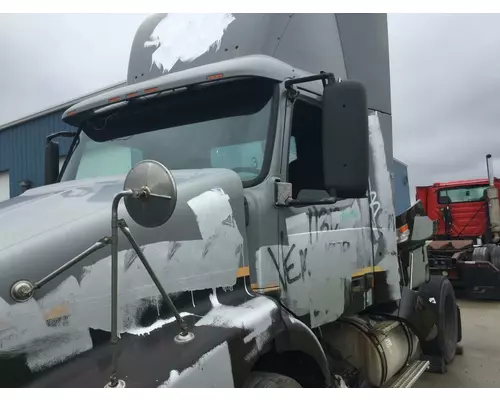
x: 367, y: 270
x: 267, y: 288
x: 243, y: 271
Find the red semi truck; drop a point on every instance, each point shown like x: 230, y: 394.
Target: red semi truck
x: 465, y: 245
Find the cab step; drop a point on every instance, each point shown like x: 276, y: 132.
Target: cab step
x: 410, y: 375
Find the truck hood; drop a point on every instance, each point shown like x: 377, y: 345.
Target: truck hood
x: 47, y: 226
x: 200, y: 247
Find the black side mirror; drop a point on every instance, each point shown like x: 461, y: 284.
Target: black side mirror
x: 52, y: 156
x: 51, y: 162
x: 345, y: 139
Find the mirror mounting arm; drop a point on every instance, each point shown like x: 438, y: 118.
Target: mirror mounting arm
x: 327, y: 78
x: 126, y: 231
x: 144, y: 193
x: 114, y: 263
x: 67, y: 134
x: 120, y: 223
x: 24, y: 290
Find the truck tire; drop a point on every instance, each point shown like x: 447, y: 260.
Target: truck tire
x: 484, y: 253
x: 481, y: 254
x: 439, y: 292
x: 495, y: 256
x: 260, y: 379
x: 491, y: 248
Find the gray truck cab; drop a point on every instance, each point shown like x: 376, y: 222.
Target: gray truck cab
x: 283, y: 224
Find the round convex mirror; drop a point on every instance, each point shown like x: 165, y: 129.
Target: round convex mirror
x: 151, y: 211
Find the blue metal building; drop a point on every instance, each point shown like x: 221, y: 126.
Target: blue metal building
x: 22, y: 146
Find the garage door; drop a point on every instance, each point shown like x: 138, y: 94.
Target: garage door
x: 4, y: 185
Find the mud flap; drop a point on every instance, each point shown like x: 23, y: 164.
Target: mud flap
x: 417, y: 313
x: 437, y: 364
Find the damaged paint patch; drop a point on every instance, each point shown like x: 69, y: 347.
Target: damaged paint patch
x: 188, y: 268
x: 217, y: 203
x: 254, y: 316
x: 213, y: 369
x: 46, y: 342
x: 55, y: 327
x: 323, y: 245
x: 141, y: 331
x: 185, y: 37
x: 383, y: 203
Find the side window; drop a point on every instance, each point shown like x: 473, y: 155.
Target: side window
x: 305, y: 168
x: 461, y: 195
x: 292, y: 155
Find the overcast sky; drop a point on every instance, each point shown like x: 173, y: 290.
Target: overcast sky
x: 445, y: 72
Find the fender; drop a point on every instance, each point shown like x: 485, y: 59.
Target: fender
x: 299, y: 337
x: 254, y: 326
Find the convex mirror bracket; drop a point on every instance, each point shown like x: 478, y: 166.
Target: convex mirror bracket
x: 150, y: 197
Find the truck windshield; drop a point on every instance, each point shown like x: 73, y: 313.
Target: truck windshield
x: 220, y: 125
x: 461, y: 195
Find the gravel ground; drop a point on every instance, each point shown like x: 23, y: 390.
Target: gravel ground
x: 479, y: 366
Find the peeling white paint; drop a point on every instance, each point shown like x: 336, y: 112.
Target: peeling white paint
x: 213, y: 369
x: 57, y: 349
x: 198, y: 264
x: 382, y: 180
x: 141, y: 331
x: 25, y: 329
x: 320, y: 261
x: 213, y: 299
x: 172, y: 379
x: 254, y: 315
x: 318, y: 287
x: 185, y: 37
x: 324, y: 247
x: 211, y: 208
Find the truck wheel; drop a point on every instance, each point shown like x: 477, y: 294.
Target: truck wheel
x: 439, y: 292
x: 481, y: 254
x: 491, y: 248
x: 484, y: 253
x: 260, y: 379
x: 495, y: 256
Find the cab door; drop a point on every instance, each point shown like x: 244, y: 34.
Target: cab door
x: 328, y: 254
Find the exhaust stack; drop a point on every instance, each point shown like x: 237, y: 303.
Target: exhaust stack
x: 493, y: 202
x: 489, y: 168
